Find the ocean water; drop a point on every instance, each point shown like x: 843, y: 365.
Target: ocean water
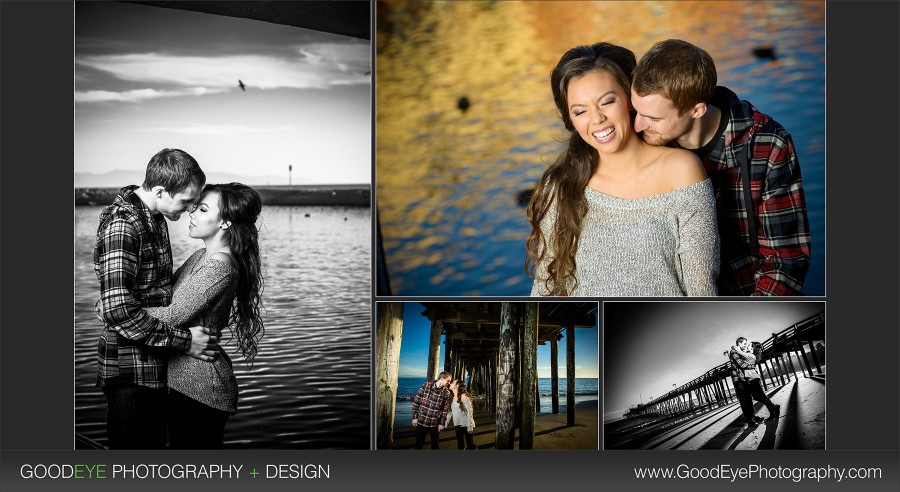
x: 304, y: 389
x: 449, y: 181
x: 407, y: 387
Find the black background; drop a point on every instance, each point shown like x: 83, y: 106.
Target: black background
x: 37, y: 293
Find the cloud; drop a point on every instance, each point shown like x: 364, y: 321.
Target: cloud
x: 316, y: 66
x: 138, y: 95
x: 220, y: 130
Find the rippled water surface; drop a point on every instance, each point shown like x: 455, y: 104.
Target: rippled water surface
x: 448, y: 180
x: 308, y: 387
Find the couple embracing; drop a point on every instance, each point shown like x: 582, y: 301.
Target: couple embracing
x: 669, y: 185
x: 160, y: 364
x: 435, y: 404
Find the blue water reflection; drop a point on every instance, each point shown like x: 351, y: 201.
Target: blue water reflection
x: 448, y: 180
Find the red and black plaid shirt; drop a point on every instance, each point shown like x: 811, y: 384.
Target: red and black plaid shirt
x: 431, y: 405
x: 133, y: 261
x: 779, y: 266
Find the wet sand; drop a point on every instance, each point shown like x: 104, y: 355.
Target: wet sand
x: 550, y: 430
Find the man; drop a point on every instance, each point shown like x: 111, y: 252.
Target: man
x: 133, y: 262
x: 429, y: 410
x: 767, y: 251
x: 746, y: 381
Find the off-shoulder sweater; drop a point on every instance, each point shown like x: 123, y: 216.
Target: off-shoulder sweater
x: 202, y: 298
x: 660, y: 245
x: 461, y: 418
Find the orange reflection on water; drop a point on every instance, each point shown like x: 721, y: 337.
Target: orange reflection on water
x: 446, y: 179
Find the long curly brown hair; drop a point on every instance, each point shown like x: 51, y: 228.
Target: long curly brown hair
x: 460, y: 391
x: 562, y: 185
x: 241, y: 205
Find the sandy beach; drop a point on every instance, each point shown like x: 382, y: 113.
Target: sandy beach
x: 550, y: 429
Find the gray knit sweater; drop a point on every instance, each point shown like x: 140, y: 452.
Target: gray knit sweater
x: 202, y: 298
x: 661, y: 245
x: 461, y: 418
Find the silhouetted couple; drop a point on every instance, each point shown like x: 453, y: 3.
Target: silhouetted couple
x: 746, y: 379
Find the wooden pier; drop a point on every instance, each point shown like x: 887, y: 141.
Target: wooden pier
x: 786, y: 357
x: 495, y: 343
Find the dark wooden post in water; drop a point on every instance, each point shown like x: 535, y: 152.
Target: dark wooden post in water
x: 529, y: 375
x: 506, y: 391
x: 434, y: 350
x: 390, y: 334
x: 554, y: 374
x: 570, y: 376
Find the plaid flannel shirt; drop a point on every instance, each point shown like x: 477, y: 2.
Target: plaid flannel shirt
x: 739, y: 362
x: 780, y: 264
x: 431, y: 405
x: 133, y: 262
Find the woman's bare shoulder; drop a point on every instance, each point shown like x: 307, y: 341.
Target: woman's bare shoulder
x: 681, y: 168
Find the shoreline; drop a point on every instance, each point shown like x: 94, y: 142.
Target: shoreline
x: 310, y: 195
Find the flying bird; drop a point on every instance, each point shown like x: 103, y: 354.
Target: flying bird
x: 241, y: 84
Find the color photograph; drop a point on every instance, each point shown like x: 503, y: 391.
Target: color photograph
x: 486, y: 177
x: 487, y: 375
x: 222, y: 241
x: 714, y: 375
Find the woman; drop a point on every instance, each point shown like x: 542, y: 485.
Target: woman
x: 613, y: 215
x: 218, y: 286
x: 462, y: 414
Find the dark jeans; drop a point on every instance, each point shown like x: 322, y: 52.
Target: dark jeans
x: 193, y: 425
x: 463, y: 434
x: 746, y: 392
x: 136, y: 417
x: 421, y: 430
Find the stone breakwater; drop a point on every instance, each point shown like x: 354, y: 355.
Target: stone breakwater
x: 310, y: 195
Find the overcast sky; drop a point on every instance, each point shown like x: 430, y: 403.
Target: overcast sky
x: 148, y: 78
x: 649, y: 346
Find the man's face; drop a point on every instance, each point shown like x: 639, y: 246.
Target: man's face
x: 443, y: 382
x: 172, y: 206
x: 658, y: 120
x: 744, y: 345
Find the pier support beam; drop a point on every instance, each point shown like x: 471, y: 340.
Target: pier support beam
x: 570, y: 376
x: 805, y: 359
x: 434, y: 351
x: 506, y: 392
x: 390, y: 334
x: 815, y: 358
x: 554, y: 374
x: 529, y: 375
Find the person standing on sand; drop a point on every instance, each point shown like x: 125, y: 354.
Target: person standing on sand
x: 133, y: 262
x: 429, y: 409
x: 463, y: 416
x: 745, y: 377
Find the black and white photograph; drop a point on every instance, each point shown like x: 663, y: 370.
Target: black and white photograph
x: 222, y: 171
x: 714, y: 375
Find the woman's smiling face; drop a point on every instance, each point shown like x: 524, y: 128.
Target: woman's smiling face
x: 599, y: 110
